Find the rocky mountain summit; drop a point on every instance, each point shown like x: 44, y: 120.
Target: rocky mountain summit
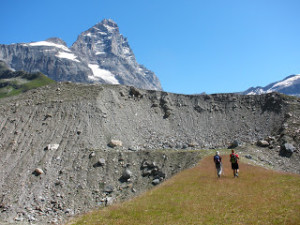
x: 67, y: 148
x: 100, y: 55
x: 289, y: 86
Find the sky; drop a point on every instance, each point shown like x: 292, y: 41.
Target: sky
x: 193, y: 46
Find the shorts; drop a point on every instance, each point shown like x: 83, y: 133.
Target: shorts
x: 218, y: 165
x: 235, y: 166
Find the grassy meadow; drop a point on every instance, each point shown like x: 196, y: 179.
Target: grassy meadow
x: 197, y: 196
x: 21, y: 82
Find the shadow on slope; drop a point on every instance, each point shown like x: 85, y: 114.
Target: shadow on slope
x: 197, y: 196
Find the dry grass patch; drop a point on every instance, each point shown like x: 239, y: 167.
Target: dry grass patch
x: 197, y: 196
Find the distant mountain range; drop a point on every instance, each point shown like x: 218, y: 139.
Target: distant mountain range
x: 102, y: 55
x: 289, y: 86
x: 99, y: 55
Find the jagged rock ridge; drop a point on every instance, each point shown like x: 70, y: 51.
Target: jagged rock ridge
x: 100, y: 55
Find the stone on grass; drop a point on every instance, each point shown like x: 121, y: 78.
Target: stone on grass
x: 109, y: 201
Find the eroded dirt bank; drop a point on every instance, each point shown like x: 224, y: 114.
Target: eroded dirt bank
x: 55, y: 155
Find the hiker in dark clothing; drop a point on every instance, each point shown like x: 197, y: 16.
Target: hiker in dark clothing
x: 234, y: 163
x: 218, y: 162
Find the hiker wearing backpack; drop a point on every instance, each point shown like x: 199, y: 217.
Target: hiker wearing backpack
x: 234, y: 163
x: 218, y: 162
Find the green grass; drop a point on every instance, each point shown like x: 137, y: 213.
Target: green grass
x: 22, y: 83
x: 197, y: 196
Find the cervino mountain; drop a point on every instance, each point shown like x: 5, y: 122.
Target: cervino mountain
x: 99, y: 55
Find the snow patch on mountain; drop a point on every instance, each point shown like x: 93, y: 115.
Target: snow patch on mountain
x: 288, y: 82
x: 48, y: 44
x: 109, y: 28
x: 66, y: 55
x: 257, y: 91
x: 103, y: 74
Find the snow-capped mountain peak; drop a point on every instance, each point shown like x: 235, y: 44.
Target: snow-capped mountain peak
x: 109, y: 25
x: 100, y: 54
x: 290, y: 86
x: 287, y: 82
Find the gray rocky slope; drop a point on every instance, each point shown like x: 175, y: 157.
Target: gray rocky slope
x: 66, y: 148
x: 99, y: 55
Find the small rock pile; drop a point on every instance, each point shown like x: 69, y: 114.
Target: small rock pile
x: 152, y: 171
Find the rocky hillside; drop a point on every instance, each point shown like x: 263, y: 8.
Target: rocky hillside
x: 100, y: 55
x: 66, y: 148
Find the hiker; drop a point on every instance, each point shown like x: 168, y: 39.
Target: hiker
x: 234, y: 163
x: 218, y: 162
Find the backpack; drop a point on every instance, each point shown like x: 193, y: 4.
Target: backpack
x: 217, y: 159
x: 233, y: 158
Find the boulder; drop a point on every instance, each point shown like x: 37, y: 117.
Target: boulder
x: 126, y: 175
x: 92, y: 155
x: 248, y: 156
x: 262, y: 143
x: 115, y: 143
x: 167, y: 113
x: 135, y: 92
x: 108, y: 189
x: 109, y: 201
x: 101, y: 161
x: 234, y: 144
x: 52, y: 147
x: 184, y: 146
x: 134, y: 149
x: 38, y: 171
x: 193, y: 144
x: 146, y: 172
x: 287, y: 150
x: 156, y: 181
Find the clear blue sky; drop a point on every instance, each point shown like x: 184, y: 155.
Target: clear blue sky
x: 193, y: 46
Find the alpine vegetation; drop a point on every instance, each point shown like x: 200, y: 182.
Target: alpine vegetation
x: 14, y: 83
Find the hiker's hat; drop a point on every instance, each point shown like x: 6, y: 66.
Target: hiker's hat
x: 217, y: 152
